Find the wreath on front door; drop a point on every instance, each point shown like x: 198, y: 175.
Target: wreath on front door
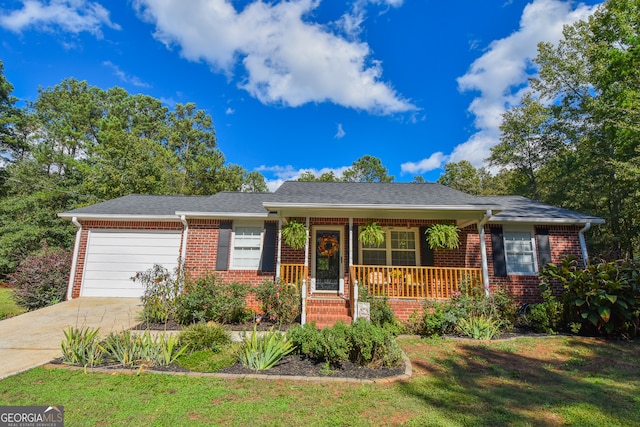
x: 328, y: 246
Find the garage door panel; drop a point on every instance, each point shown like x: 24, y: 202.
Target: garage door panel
x: 114, y: 257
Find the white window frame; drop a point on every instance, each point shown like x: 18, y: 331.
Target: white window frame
x: 534, y: 250
x: 389, y: 250
x: 233, y: 248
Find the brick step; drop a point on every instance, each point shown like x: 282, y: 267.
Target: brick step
x: 325, y: 309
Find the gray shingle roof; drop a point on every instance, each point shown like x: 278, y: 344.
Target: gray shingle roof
x: 420, y: 195
x: 363, y: 193
x: 518, y: 208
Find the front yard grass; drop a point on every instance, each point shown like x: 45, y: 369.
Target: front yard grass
x: 8, y: 307
x: 527, y: 381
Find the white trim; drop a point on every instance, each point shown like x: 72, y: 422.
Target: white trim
x: 232, y: 244
x: 223, y: 214
x: 121, y: 217
x: 185, y: 234
x: 74, y: 262
x: 534, y: 249
x: 394, y: 207
x: 563, y: 221
x: 314, y: 235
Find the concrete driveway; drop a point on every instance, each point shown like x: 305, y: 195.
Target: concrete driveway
x: 33, y: 339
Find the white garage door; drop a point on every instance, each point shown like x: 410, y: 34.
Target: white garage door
x: 113, y: 257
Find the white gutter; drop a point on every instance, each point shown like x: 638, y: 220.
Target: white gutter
x: 128, y: 217
x: 222, y: 214
x: 563, y: 221
x: 74, y: 262
x: 395, y: 207
x: 583, y: 243
x: 483, y: 251
x: 185, y: 233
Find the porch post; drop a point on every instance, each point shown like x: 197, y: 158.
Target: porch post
x: 350, y: 242
x: 306, y: 246
x: 483, y: 251
x: 279, y: 257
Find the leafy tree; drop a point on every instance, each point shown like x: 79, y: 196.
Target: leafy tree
x: 367, y: 169
x: 254, y: 183
x: 324, y: 177
x: 591, y: 81
x: 11, y: 117
x: 463, y: 176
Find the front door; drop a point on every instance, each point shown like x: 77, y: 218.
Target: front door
x: 328, y: 269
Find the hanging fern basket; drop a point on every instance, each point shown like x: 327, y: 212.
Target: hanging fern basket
x: 294, y: 234
x: 443, y: 236
x: 371, y: 235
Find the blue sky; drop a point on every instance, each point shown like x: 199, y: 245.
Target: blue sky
x: 302, y: 84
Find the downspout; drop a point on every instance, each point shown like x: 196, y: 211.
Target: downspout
x: 483, y: 251
x: 583, y: 243
x: 185, y: 233
x: 279, y: 257
x: 74, y: 262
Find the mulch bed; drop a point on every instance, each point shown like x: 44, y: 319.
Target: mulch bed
x: 297, y: 365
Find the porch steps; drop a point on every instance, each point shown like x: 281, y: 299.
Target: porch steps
x: 326, y: 311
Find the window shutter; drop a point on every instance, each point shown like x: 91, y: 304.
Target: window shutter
x: 497, y: 246
x: 355, y: 246
x: 426, y: 253
x: 544, y: 249
x: 268, y: 261
x: 224, y: 242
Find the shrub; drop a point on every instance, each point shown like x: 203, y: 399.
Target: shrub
x: 263, y: 352
x: 161, y: 288
x: 201, y: 336
x: 363, y: 343
x: 373, y: 345
x: 42, y: 278
x: 602, y: 299
x: 380, y: 312
x: 438, y: 318
x: 208, y: 299
x: 546, y: 316
x: 279, y: 301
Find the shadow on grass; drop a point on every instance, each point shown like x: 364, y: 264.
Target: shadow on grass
x: 550, y: 382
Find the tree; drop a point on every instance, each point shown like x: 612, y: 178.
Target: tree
x: 254, y: 183
x: 463, y: 176
x: 11, y: 118
x: 367, y: 169
x: 324, y: 177
x: 591, y: 83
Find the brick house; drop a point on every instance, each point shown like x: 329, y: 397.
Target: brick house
x: 504, y: 240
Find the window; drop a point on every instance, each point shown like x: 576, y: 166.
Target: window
x: 399, y: 248
x: 520, y: 252
x: 247, y: 245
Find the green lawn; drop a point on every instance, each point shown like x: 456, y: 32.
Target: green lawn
x: 8, y: 307
x: 552, y: 381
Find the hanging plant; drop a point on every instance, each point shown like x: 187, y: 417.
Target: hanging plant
x: 371, y: 235
x: 442, y: 236
x: 294, y: 234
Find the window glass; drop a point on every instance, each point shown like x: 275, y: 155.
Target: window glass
x: 399, y: 248
x: 520, y: 252
x: 246, y: 247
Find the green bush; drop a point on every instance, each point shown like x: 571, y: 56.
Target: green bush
x: 209, y: 299
x: 161, y: 289
x: 467, y: 306
x: 363, y: 343
x: 41, y: 279
x: 380, y: 312
x: 602, y: 299
x: 279, y: 301
x: 262, y: 352
x: 202, y: 336
x: 546, y: 316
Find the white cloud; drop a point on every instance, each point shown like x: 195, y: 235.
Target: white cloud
x: 275, y: 176
x: 73, y: 16
x: 434, y: 161
x: 127, y: 78
x: 229, y: 111
x: 501, y: 75
x: 288, y: 59
x: 340, y: 133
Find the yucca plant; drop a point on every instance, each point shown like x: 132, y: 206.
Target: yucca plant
x: 81, y: 346
x: 260, y: 353
x: 479, y: 327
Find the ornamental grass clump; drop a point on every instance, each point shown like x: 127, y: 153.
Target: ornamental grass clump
x: 81, y: 346
x: 260, y: 352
